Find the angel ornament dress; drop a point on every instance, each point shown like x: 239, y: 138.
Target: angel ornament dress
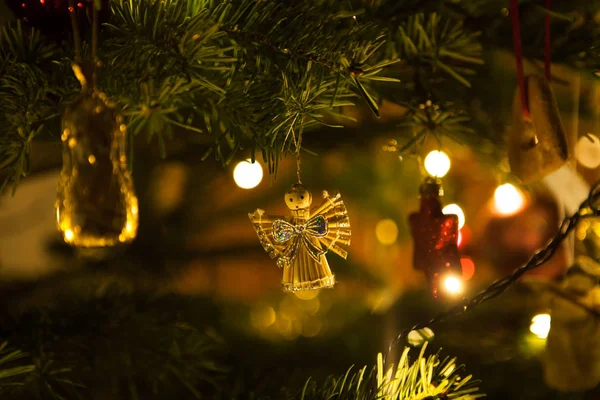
x: 299, y: 243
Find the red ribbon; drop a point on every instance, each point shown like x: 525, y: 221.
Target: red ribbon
x: 547, y: 43
x: 514, y: 13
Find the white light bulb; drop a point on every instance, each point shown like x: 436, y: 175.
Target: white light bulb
x: 455, y: 209
x: 452, y: 284
x: 540, y: 325
x: 588, y: 151
x: 247, y: 175
x: 437, y: 163
x: 508, y: 200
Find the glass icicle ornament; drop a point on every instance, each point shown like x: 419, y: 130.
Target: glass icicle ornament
x: 96, y: 204
x: 300, y: 243
x: 435, y: 236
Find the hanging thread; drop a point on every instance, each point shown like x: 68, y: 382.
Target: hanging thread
x: 75, y: 26
x: 547, y: 59
x: 514, y: 14
x: 298, y: 148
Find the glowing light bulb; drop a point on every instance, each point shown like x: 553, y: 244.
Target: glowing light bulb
x: 455, y: 209
x: 437, y: 163
x: 508, y: 200
x: 452, y: 284
x: 588, y: 151
x: 247, y: 175
x: 540, y: 325
x: 69, y: 235
x: 386, y: 231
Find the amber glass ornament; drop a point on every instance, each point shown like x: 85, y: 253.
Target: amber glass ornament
x: 300, y: 243
x: 435, y: 236
x: 96, y: 204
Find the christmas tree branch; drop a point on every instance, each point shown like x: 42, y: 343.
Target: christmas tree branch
x: 427, y: 377
x: 588, y: 209
x: 223, y: 67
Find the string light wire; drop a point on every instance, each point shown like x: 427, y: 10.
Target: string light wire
x: 588, y: 208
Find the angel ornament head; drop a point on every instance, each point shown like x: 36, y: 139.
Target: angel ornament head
x: 299, y: 243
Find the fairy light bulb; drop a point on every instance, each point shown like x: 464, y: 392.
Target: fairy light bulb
x: 540, y: 325
x: 437, y: 163
x: 452, y: 285
x: 455, y: 209
x: 588, y: 151
x: 508, y: 200
x: 247, y: 175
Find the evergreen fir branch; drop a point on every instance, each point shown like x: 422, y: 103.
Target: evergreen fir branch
x: 117, y: 343
x: 434, y: 119
x: 12, y: 366
x: 436, y: 42
x: 428, y: 377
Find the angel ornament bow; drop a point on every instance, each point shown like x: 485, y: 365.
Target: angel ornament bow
x: 300, y: 243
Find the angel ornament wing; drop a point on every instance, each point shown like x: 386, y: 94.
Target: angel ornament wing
x: 299, y: 243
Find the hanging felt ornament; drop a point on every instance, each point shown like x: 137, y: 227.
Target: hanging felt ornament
x: 435, y: 236
x: 96, y: 204
x: 537, y: 143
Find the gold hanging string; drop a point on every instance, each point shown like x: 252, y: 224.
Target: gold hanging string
x: 298, y: 149
x: 75, y: 26
x: 95, y: 28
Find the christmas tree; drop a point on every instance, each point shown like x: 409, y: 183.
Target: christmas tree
x: 148, y: 131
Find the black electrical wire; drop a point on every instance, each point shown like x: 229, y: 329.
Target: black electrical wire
x: 589, y: 208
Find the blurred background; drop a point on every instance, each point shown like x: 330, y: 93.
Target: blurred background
x: 196, y: 247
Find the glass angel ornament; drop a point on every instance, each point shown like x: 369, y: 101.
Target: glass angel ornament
x: 96, y: 205
x: 300, y: 243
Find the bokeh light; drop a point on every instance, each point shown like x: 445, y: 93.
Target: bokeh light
x: 508, y: 200
x: 588, y: 151
x: 307, y: 294
x: 262, y: 316
x: 418, y: 337
x: 455, y: 209
x: 540, y: 325
x: 386, y: 231
x: 452, y: 284
x: 437, y: 163
x: 248, y: 175
x: 468, y: 268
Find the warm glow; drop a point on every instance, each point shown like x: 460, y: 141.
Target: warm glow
x: 588, y: 151
x: 540, y: 325
x: 386, y: 231
x: 459, y: 238
x: 437, y: 163
x: 468, y: 268
x: 508, y: 200
x: 307, y: 294
x: 247, y: 175
x: 262, y: 316
x: 455, y: 209
x: 69, y: 235
x: 452, y: 285
x: 418, y: 337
